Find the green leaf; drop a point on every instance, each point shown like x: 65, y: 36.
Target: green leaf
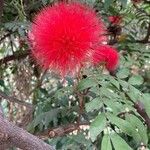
x: 122, y: 124
x: 136, y: 80
x: 95, y: 90
x: 106, y: 143
x: 124, y: 84
x: 94, y: 104
x: 2, y: 83
x: 45, y: 117
x: 146, y: 102
x: 134, y: 93
x: 113, y: 105
x: 141, y: 129
x: 90, y: 2
x: 107, y: 3
x: 97, y: 126
x: 104, y: 91
x: 44, y: 2
x: 124, y: 2
x: 115, y: 83
x: 86, y: 83
x: 125, y: 126
x: 123, y: 73
x: 119, y: 143
x: 80, y: 138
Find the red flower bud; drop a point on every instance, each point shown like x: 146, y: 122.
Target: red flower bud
x: 115, y: 19
x: 107, y: 55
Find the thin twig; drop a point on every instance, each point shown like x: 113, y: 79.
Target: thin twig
x: 6, y: 35
x: 15, y: 56
x: 15, y: 100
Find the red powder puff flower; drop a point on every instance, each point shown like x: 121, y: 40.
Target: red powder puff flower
x: 115, y: 19
x: 62, y: 36
x: 107, y: 55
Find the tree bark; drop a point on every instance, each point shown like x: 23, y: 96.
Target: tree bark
x: 17, y: 137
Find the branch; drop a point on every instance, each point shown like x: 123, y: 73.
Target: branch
x: 62, y: 130
x: 15, y: 100
x: 141, y: 110
x: 1, y: 111
x: 142, y: 41
x: 15, y: 56
x: 20, y: 138
x: 1, y: 8
x: 6, y: 35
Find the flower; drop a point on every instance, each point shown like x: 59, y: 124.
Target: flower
x: 116, y: 20
x: 107, y: 55
x: 62, y: 36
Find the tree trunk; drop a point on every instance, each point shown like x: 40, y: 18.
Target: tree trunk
x: 19, y: 138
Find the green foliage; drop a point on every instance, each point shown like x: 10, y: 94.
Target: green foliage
x: 106, y: 143
x: 108, y: 114
x: 97, y: 126
x: 118, y: 143
x: 136, y: 80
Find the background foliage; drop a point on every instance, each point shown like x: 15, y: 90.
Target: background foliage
x: 95, y: 111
